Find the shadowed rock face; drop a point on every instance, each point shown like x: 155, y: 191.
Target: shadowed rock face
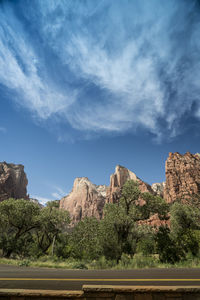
x: 182, y: 176
x: 85, y: 200
x: 117, y: 181
x: 13, y: 181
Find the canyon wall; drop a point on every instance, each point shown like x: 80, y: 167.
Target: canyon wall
x: 13, y: 181
x: 182, y: 182
x: 182, y: 176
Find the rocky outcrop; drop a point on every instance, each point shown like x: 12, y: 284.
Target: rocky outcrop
x: 158, y: 188
x: 13, y: 181
x: 117, y: 181
x: 182, y: 176
x: 85, y: 200
x: 155, y: 221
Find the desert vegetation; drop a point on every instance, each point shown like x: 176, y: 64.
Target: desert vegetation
x: 30, y: 235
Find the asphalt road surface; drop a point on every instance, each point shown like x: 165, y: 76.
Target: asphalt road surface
x: 12, y: 277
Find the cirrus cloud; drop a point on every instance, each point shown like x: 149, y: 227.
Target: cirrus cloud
x: 103, y: 66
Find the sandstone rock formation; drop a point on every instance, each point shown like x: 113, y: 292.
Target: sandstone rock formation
x: 155, y: 221
x: 117, y: 181
x: 158, y: 188
x: 13, y: 181
x: 182, y: 176
x: 85, y: 199
x: 88, y: 199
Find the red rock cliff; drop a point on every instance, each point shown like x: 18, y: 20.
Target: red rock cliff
x: 182, y: 176
x: 13, y: 181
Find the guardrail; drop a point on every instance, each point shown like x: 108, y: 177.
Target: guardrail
x: 107, y: 292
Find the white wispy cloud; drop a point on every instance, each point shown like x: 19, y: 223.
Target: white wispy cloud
x: 42, y: 200
x: 59, y: 193
x: 21, y: 71
x: 104, y: 67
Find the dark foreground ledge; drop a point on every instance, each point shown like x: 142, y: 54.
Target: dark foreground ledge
x: 107, y: 292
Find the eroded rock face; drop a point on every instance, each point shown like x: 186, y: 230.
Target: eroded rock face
x: 13, y: 181
x: 182, y: 176
x: 117, y: 181
x: 85, y: 200
x: 158, y: 188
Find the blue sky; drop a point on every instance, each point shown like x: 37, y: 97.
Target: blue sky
x: 86, y: 85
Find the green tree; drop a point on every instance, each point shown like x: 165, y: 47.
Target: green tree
x: 84, y: 239
x: 62, y: 246
x: 154, y: 205
x: 169, y: 251
x: 185, y: 221
x: 130, y: 194
x: 120, y: 232
x: 147, y: 244
x: 18, y: 219
x: 51, y: 222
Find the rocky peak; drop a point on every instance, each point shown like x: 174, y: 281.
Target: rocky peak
x: 13, y: 181
x: 121, y: 175
x: 88, y: 199
x: 117, y: 181
x: 182, y: 176
x: 85, y: 200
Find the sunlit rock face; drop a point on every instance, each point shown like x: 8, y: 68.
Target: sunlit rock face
x: 158, y: 188
x: 88, y: 199
x: 182, y: 176
x: 85, y: 200
x: 13, y: 181
x: 117, y: 181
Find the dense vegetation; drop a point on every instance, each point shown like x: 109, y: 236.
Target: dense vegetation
x: 30, y: 232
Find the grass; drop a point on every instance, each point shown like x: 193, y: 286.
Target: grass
x: 126, y: 263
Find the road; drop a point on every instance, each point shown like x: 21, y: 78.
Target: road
x: 12, y: 277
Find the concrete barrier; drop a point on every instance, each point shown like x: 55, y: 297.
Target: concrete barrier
x: 106, y: 292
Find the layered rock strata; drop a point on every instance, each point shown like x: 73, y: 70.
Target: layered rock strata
x: 85, y: 200
x: 13, y: 181
x: 182, y: 176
